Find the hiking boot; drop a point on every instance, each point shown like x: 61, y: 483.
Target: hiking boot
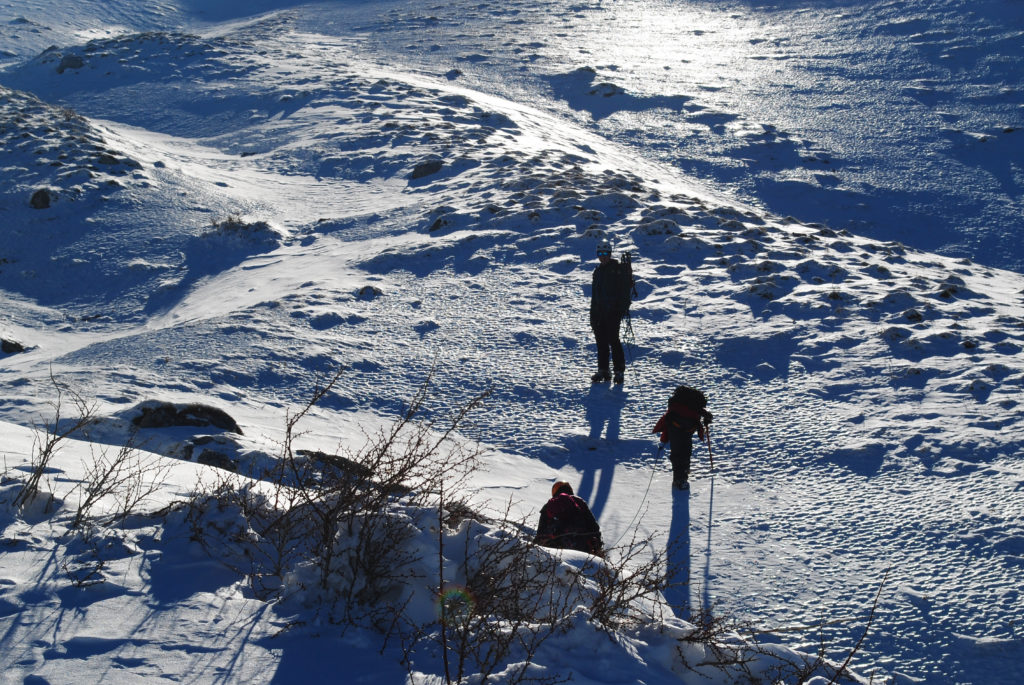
x: 680, y: 485
x: 601, y: 376
x: 618, y: 378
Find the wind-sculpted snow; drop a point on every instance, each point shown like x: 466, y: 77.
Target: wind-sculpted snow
x: 47, y: 145
x: 293, y: 208
x: 900, y: 121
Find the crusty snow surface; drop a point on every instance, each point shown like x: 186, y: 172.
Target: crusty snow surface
x: 865, y: 376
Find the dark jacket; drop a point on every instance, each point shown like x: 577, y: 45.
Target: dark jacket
x: 610, y: 292
x: 566, y: 522
x: 683, y: 418
x: 686, y: 413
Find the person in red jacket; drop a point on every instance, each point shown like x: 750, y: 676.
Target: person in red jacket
x: 686, y: 415
x: 566, y: 522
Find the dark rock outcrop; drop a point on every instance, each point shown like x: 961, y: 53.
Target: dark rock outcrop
x: 431, y: 166
x: 41, y: 199
x: 10, y: 346
x: 165, y: 414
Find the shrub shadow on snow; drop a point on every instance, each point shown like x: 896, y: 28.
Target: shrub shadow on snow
x: 322, y: 659
x: 182, y: 569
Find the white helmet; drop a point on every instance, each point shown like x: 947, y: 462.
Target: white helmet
x: 605, y: 247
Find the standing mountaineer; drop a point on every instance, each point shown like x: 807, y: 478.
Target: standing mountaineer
x: 609, y: 302
x: 566, y: 522
x: 686, y: 414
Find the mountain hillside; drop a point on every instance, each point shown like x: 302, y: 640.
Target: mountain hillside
x: 222, y: 211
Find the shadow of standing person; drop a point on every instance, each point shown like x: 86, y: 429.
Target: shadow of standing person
x: 678, y: 555
x: 595, y: 487
x: 706, y: 589
x: 604, y: 410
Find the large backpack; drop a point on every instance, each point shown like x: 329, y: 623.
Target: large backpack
x: 629, y: 278
x: 570, y: 528
x: 689, y: 397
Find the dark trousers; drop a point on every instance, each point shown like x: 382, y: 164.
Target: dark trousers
x: 681, y: 445
x: 606, y: 334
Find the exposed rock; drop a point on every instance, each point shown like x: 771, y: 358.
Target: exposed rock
x: 217, y: 459
x: 431, y: 166
x: 70, y: 62
x: 342, y: 464
x: 370, y: 292
x: 155, y: 414
x: 11, y: 347
x: 42, y: 198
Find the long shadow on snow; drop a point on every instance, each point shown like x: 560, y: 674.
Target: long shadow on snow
x: 604, y: 411
x: 603, y: 407
x: 678, y: 552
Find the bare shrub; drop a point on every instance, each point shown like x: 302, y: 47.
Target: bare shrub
x: 338, y: 526
x: 507, y: 596
x: 629, y: 590
x: 729, y: 646
x: 83, y: 575
x: 54, y: 433
x: 720, y: 642
x: 127, y: 478
x: 513, y: 600
x: 362, y: 518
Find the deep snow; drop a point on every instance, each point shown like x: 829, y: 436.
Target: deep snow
x: 865, y: 391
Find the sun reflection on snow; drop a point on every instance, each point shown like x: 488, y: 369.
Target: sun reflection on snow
x: 653, y: 47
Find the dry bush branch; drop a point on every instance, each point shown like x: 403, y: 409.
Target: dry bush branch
x: 54, y: 433
x: 629, y: 589
x: 127, y: 477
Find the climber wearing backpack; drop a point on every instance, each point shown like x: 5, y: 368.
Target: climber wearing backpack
x: 566, y: 522
x: 686, y: 414
x: 609, y: 303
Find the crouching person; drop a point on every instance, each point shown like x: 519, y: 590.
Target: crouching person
x: 566, y: 522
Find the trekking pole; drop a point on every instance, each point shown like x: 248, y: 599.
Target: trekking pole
x: 640, y: 506
x: 711, y: 459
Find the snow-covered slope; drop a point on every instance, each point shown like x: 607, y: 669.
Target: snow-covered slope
x: 237, y: 208
x: 895, y: 120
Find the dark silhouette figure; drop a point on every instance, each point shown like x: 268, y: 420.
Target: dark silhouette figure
x: 566, y: 522
x: 609, y: 302
x: 686, y: 414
